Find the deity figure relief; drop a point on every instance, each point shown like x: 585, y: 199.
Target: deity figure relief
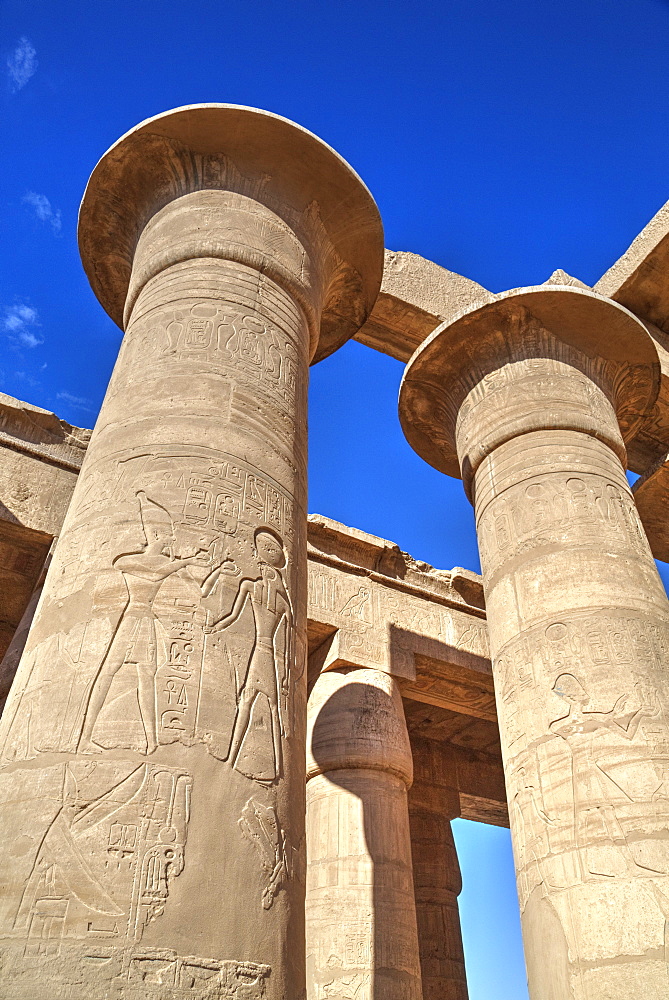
x: 345, y: 984
x: 268, y: 673
x: 135, y: 639
x: 582, y: 730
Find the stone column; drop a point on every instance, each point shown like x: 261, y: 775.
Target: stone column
x: 361, y: 919
x: 532, y: 398
x: 152, y: 788
x: 433, y: 803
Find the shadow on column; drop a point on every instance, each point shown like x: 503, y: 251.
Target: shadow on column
x: 361, y: 922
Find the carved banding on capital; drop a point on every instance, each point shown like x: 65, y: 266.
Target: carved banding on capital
x: 234, y: 183
x: 356, y: 720
x: 535, y: 359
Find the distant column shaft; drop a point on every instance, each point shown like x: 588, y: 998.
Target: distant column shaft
x: 436, y: 873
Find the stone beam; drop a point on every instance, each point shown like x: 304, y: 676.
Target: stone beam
x: 40, y: 457
x: 638, y: 281
x: 372, y: 605
x: 416, y: 295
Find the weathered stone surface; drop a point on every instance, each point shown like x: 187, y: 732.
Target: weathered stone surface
x: 416, y: 296
x: 528, y: 397
x: 40, y: 456
x: 371, y: 604
x: 153, y: 743
x: 362, y: 939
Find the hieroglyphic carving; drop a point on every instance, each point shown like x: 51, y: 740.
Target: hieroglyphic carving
x: 260, y: 824
x: 346, y: 983
x: 157, y: 973
x: 598, y: 834
x: 184, y: 977
x: 199, y: 540
x: 380, y: 624
x: 556, y: 507
x: 135, y: 640
x: 104, y: 865
x: 585, y: 784
x: 227, y: 341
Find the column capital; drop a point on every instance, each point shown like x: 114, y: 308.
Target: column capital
x: 319, y: 232
x: 539, y: 334
x: 356, y: 720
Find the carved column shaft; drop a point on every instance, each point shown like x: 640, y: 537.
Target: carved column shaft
x: 153, y: 744
x: 579, y: 630
x: 436, y: 874
x: 361, y: 919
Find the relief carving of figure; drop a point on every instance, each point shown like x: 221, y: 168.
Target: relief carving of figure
x: 345, y: 984
x: 268, y: 673
x: 106, y: 861
x: 260, y: 824
x: 135, y: 639
x: 595, y: 817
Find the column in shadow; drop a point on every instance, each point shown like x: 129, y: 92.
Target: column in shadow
x: 362, y: 940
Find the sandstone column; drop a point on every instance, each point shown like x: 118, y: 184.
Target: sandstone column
x: 361, y: 919
x: 433, y: 803
x: 152, y: 787
x: 531, y: 398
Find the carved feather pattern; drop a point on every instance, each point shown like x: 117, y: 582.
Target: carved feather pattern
x: 259, y: 824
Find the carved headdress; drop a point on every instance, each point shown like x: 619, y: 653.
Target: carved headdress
x: 154, y: 517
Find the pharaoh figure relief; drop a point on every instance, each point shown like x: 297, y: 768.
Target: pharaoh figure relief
x: 135, y: 640
x: 197, y: 652
x: 190, y: 625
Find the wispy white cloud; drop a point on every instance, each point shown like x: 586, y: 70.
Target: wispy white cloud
x: 80, y: 402
x: 21, y: 323
x: 28, y: 379
x: 21, y: 64
x: 43, y: 209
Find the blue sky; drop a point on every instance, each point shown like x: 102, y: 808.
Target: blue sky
x: 502, y: 139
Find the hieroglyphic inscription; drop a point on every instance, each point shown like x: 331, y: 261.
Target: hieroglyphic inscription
x: 380, y: 625
x: 105, y: 863
x: 200, y: 551
x: 231, y: 342
x: 260, y: 824
x: 586, y: 767
x: 558, y: 508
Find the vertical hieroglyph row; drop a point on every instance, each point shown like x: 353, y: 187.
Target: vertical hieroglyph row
x: 152, y: 750
x: 361, y: 936
x: 531, y: 399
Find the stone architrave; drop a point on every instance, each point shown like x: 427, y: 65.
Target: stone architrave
x: 361, y: 933
x: 531, y: 399
x: 152, y: 749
